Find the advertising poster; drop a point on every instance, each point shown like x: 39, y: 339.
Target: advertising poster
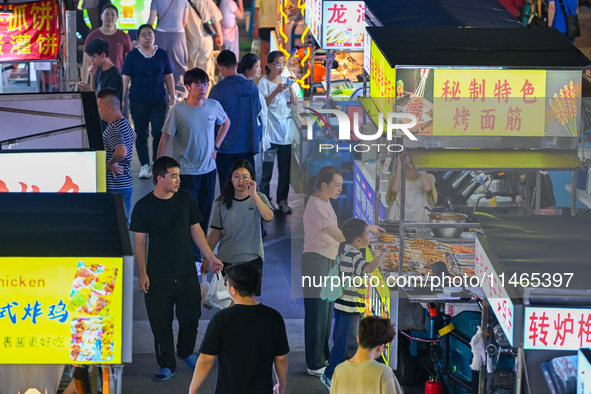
x: 132, y: 13
x: 60, y: 310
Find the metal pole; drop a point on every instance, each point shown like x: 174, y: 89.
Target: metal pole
x: 538, y: 192
x: 69, y: 60
x: 402, y: 198
x: 573, y: 195
x: 329, y: 59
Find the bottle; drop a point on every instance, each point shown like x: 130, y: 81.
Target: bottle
x: 462, y: 178
x: 473, y: 185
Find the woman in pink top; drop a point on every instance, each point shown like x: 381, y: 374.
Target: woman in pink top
x: 321, y: 243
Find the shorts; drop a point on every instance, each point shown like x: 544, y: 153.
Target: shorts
x: 265, y: 33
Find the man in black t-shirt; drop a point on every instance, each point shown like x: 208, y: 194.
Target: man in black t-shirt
x: 103, y: 73
x: 248, y: 338
x: 170, y: 218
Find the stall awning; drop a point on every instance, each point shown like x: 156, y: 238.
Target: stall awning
x: 491, y: 159
x: 482, y: 47
x: 455, y: 13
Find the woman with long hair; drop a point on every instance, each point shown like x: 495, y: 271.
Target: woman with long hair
x: 278, y: 98
x: 322, y: 237
x: 236, y: 222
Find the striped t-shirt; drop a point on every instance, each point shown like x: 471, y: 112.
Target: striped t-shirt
x: 119, y: 132
x: 352, y: 264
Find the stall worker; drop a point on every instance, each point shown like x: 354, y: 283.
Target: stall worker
x: 420, y: 192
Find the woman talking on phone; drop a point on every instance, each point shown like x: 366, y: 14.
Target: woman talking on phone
x: 275, y: 88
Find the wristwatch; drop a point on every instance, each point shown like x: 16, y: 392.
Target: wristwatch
x: 216, y: 148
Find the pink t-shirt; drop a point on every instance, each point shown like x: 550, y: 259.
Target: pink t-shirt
x: 119, y: 45
x: 319, y: 215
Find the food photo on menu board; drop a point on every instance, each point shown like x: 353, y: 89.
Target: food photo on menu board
x: 92, y: 288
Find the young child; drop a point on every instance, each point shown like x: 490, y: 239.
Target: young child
x: 236, y: 222
x: 349, y: 308
x: 276, y: 90
x: 362, y: 374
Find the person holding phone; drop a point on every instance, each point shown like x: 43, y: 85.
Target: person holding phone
x: 275, y: 88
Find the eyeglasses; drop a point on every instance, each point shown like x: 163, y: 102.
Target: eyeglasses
x: 200, y: 85
x: 243, y: 177
x: 280, y: 65
x: 110, y: 14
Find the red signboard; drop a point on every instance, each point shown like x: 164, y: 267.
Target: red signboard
x: 30, y: 32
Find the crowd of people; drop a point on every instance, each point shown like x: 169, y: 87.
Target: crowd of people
x: 203, y: 134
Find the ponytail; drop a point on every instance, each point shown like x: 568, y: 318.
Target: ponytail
x: 325, y: 175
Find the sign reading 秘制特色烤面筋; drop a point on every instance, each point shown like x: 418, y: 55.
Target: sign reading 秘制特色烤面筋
x: 60, y: 310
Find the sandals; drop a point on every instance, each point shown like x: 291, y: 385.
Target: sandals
x: 163, y: 374
x: 191, y: 361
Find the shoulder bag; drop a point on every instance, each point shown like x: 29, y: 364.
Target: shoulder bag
x: 208, y: 29
x: 572, y: 23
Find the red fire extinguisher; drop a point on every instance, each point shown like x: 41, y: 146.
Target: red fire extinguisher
x: 433, y: 386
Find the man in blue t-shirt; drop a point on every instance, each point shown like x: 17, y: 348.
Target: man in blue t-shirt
x: 240, y: 99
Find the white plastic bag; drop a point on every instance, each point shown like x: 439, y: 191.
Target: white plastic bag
x: 217, y: 295
x: 204, y: 288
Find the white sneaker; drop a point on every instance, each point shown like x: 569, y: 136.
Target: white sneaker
x: 145, y: 171
x: 315, y: 372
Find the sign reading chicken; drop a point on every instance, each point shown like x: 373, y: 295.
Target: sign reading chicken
x: 29, y: 31
x: 60, y: 310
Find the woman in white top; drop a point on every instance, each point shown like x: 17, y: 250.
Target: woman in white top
x: 278, y: 98
x: 322, y: 237
x: 230, y: 12
x: 420, y: 192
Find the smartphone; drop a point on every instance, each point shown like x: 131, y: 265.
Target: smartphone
x: 290, y: 81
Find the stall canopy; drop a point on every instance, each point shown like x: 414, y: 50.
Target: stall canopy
x: 483, y: 47
x: 452, y: 13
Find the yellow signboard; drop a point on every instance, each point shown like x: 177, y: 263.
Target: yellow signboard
x: 383, y: 77
x: 489, y: 102
x: 60, y: 310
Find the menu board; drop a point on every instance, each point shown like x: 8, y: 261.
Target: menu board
x: 60, y: 310
x: 30, y: 32
x: 132, y: 13
x: 556, y: 328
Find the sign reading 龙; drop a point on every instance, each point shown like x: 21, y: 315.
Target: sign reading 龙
x: 343, y: 24
x: 30, y: 32
x: 60, y: 310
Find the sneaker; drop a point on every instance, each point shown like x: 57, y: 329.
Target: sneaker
x: 145, y: 171
x: 284, y: 207
x: 325, y: 381
x: 315, y: 372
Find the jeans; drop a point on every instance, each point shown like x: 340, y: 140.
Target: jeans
x: 283, y: 153
x: 144, y: 114
x: 202, y: 188
x: 163, y: 295
x: 344, y: 336
x: 126, y: 198
x: 318, y: 313
x: 224, y: 162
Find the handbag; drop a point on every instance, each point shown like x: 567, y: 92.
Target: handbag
x: 217, y: 295
x: 329, y: 292
x: 208, y: 29
x: 572, y: 23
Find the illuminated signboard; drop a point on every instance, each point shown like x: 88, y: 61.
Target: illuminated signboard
x: 60, y: 310
x: 132, y: 13
x: 377, y: 301
x: 313, y: 18
x: 382, y: 83
x: 492, y: 286
x: 60, y: 172
x: 584, y: 371
x: 556, y: 328
x: 367, y: 54
x: 337, y: 24
x: 31, y: 32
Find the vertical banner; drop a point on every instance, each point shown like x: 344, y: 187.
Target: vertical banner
x: 31, y: 32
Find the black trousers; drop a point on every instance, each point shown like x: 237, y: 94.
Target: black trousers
x: 318, y: 313
x: 163, y: 295
x: 283, y: 153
